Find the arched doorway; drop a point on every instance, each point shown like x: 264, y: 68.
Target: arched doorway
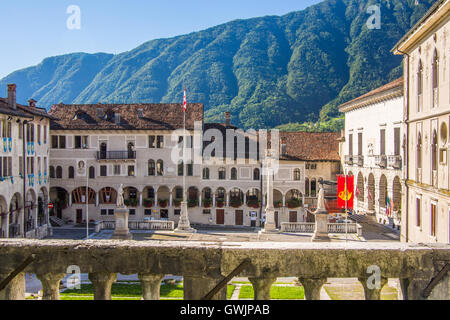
x: 397, y: 195
x: 294, y: 199
x: 108, y: 195
x: 254, y: 198
x: 193, y: 195
x: 360, y: 184
x: 3, y: 217
x: 42, y: 210
x: 60, y: 199
x: 15, y: 211
x: 30, y: 210
x: 371, y: 192
x: 277, y: 198
x: 382, y: 195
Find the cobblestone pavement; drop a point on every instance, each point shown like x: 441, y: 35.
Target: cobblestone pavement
x: 374, y: 231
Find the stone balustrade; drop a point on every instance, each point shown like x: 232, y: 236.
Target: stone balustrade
x: 203, y: 265
x: 305, y: 227
x: 138, y: 225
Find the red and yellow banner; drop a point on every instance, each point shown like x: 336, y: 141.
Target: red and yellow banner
x: 345, y: 191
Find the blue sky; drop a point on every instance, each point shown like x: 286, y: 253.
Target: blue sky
x: 33, y: 30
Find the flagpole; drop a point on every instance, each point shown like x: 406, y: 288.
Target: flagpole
x: 346, y: 213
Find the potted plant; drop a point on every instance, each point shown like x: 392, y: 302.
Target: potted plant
x: 277, y: 204
x: 177, y: 202
x: 236, y: 203
x: 207, y: 203
x: 253, y: 203
x: 294, y: 203
x: 220, y: 203
x: 192, y: 203
x: 148, y: 203
x: 162, y: 203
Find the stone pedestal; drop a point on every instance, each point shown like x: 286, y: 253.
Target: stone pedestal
x: 321, y: 232
x: 269, y: 225
x: 184, y: 226
x: 121, y: 231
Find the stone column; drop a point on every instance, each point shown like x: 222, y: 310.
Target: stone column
x: 227, y: 197
x: 50, y: 285
x: 15, y: 290
x: 214, y: 199
x: 7, y: 226
x: 170, y: 199
x: 97, y: 201
x: 184, y: 225
x: 284, y: 201
x: 196, y: 287
x: 70, y: 199
x: 312, y: 287
x: 151, y: 285
x: 371, y: 293
x: 102, y: 283
x: 140, y: 198
x: 412, y: 288
x: 261, y: 287
x: 245, y: 199
x: 269, y: 225
x: 200, y: 200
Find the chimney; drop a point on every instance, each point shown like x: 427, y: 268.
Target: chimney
x: 32, y: 103
x: 117, y: 117
x: 140, y: 113
x: 227, y: 118
x: 99, y: 112
x: 283, y: 146
x: 12, y: 96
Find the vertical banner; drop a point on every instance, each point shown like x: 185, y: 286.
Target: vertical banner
x: 345, y: 191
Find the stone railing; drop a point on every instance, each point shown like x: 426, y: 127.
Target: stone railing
x: 381, y: 161
x: 421, y: 269
x: 359, y: 159
x: 137, y: 225
x: 348, y: 159
x: 306, y: 227
x: 395, y: 162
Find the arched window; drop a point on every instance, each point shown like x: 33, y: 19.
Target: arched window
x: 205, y: 173
x: 71, y: 172
x: 222, y: 172
x: 435, y: 70
x: 233, y: 175
x: 419, y: 151
x: 160, y: 168
x: 256, y: 175
x: 420, y: 86
x: 52, y: 172
x: 59, y: 172
x: 151, y: 167
x: 434, y: 152
x: 180, y: 168
x: 306, y: 187
x: 91, y: 173
x: 297, y: 174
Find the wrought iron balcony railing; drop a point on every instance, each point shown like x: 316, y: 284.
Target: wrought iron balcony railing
x: 116, y: 155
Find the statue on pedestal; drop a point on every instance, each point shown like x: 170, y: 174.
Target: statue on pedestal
x: 120, y: 201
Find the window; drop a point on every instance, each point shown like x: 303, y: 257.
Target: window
x: 382, y: 142
x: 179, y: 193
x: 434, y: 152
x: 20, y: 166
x: 103, y: 212
x: 39, y: 134
x: 103, y: 171
x: 433, y: 220
x: 59, y: 172
x: 180, y: 169
x: 350, y: 144
x: 45, y: 134
x: 222, y: 173
x: 297, y: 174
x: 52, y: 172
x: 435, y: 70
x: 418, y: 213
x: 151, y: 167
x: 177, y: 212
x: 91, y: 173
x: 132, y: 212
x: 256, y: 174
x: 419, y: 86
x: 397, y: 141
x: 180, y: 142
x: 20, y: 130
x: 160, y: 168
x: 160, y: 142
x: 71, y: 172
x: 110, y: 212
x: 55, y: 142
x: 62, y: 142
x: 307, y: 187
x: 81, y: 142
x: 117, y: 169
x: 6, y: 166
x: 233, y: 175
x: 205, y: 173
x: 419, y: 151
x: 151, y: 142
x: 207, y: 211
x: 313, y: 187
x: 131, y: 171
x: 148, y: 212
x: 360, y: 143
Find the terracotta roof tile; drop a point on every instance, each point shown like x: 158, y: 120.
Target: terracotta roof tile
x: 21, y: 110
x: 155, y: 116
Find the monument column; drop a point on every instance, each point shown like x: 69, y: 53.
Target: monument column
x: 269, y: 225
x: 121, y: 213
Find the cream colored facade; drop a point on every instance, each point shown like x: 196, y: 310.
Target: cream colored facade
x: 426, y: 49
x: 372, y: 151
x: 290, y: 182
x: 24, y: 185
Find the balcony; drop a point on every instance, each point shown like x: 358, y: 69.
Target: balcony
x: 395, y: 162
x: 116, y: 155
x: 204, y: 265
x: 381, y: 161
x: 349, y: 160
x: 359, y: 160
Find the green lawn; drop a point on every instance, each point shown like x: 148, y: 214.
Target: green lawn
x: 280, y: 293
x: 123, y: 291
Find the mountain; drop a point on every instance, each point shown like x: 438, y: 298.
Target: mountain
x: 266, y: 71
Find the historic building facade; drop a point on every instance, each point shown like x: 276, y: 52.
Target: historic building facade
x: 96, y: 148
x: 426, y: 49
x: 24, y: 160
x: 372, y: 151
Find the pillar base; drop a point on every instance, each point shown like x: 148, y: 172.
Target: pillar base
x: 184, y: 226
x: 321, y: 231
x: 121, y: 231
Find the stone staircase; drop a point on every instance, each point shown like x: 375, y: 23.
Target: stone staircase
x: 56, y: 222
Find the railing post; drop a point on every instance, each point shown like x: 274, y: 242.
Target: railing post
x: 262, y: 286
x: 15, y: 290
x: 196, y: 287
x: 102, y: 283
x: 50, y: 285
x: 312, y: 287
x: 151, y: 285
x: 372, y: 293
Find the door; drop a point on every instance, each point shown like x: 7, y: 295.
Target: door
x: 103, y: 149
x: 276, y: 219
x: 79, y: 216
x: 293, y: 216
x: 220, y: 216
x: 239, y: 217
